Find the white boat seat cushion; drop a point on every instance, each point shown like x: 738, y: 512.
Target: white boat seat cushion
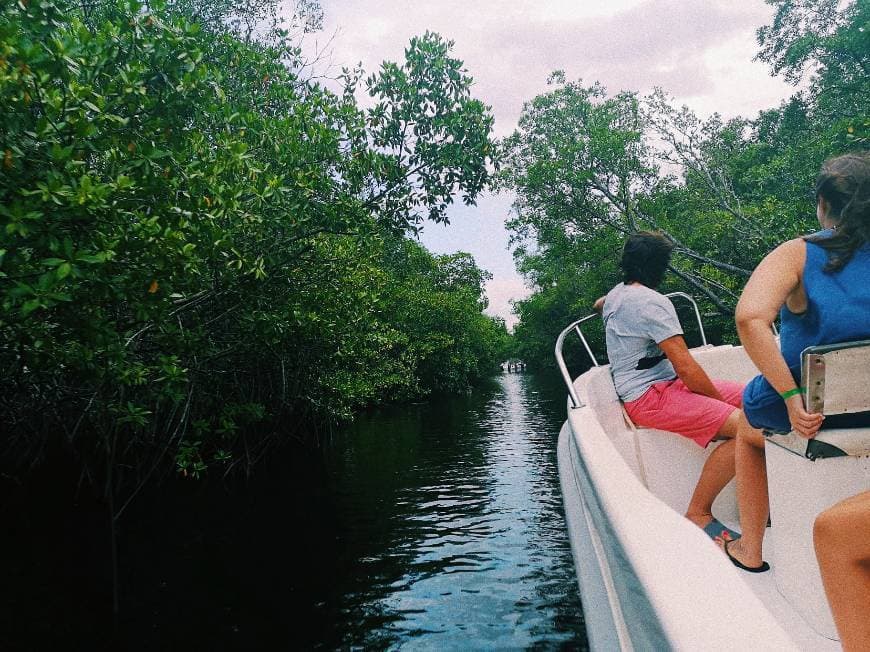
x: 672, y: 465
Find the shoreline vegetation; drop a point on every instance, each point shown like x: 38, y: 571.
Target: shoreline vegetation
x: 203, y: 252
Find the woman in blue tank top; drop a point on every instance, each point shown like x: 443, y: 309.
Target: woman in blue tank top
x: 820, y: 287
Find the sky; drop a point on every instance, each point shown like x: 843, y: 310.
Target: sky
x: 699, y: 51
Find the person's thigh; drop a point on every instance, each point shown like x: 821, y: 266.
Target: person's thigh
x: 763, y: 407
x: 679, y: 410
x: 731, y: 391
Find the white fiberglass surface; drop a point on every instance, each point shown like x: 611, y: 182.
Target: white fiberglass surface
x: 695, y: 591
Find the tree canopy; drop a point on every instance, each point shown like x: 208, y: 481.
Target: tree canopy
x: 201, y: 251
x: 589, y: 167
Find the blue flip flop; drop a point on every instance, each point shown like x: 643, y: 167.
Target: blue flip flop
x: 715, y: 529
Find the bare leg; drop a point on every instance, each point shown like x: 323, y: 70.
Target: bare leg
x: 751, y: 494
x: 717, y: 472
x: 843, y: 551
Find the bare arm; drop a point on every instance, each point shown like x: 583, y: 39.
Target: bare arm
x: 775, y: 279
x: 689, y: 371
x: 598, y: 306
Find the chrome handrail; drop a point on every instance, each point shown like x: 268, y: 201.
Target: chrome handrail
x: 560, y: 359
x: 689, y: 298
x: 575, y: 326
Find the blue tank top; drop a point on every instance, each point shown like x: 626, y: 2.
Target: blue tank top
x: 838, y: 305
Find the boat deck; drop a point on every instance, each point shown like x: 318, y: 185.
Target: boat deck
x: 662, y: 465
x: 805, y: 638
x: 763, y: 585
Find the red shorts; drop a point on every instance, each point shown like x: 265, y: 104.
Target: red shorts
x: 670, y: 405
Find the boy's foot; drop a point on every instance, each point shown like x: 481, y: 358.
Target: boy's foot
x: 717, y: 531
x: 713, y: 527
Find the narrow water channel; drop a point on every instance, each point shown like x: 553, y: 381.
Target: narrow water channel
x: 452, y: 518
x: 433, y: 526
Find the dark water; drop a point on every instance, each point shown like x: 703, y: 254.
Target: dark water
x: 456, y: 519
x: 430, y: 526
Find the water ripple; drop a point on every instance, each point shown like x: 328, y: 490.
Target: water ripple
x: 454, y: 526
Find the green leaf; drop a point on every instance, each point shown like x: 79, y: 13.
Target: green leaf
x: 30, y: 306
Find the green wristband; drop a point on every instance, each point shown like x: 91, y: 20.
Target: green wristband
x: 791, y: 392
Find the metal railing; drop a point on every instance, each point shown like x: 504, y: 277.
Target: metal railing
x: 575, y: 326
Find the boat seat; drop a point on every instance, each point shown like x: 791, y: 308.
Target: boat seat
x: 672, y: 465
x: 805, y: 477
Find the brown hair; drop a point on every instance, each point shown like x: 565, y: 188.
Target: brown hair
x: 844, y: 183
x: 645, y: 258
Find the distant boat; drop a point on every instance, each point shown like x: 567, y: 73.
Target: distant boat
x: 651, y: 580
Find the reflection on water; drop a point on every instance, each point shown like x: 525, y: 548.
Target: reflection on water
x: 435, y: 526
x: 452, y: 527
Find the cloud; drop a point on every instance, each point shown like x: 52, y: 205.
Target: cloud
x: 510, y: 48
x: 699, y: 51
x: 500, y: 293
x: 654, y: 43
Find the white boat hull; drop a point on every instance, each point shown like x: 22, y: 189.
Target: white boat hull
x: 649, y: 579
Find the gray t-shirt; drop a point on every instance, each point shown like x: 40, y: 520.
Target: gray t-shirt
x: 636, y: 319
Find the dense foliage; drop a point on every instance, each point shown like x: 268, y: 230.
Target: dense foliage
x: 201, y: 250
x: 589, y: 167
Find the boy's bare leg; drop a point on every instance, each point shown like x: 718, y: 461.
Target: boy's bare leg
x: 717, y: 472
